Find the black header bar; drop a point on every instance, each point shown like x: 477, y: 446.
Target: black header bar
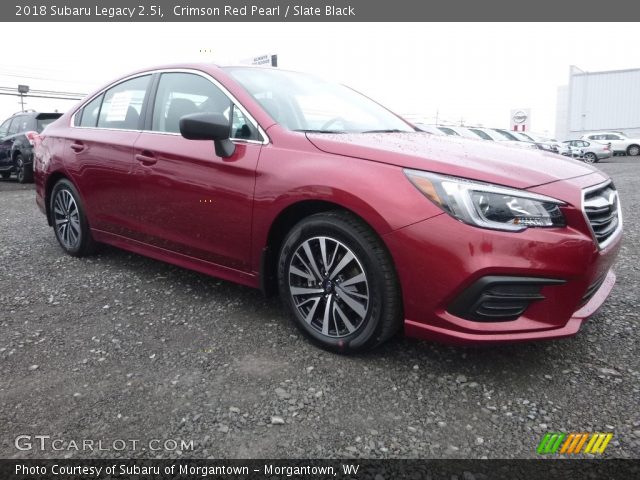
x: 312, y: 11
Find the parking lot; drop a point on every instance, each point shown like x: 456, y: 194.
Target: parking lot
x: 118, y: 346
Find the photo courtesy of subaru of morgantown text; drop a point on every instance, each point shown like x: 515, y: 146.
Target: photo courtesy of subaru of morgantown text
x: 361, y: 222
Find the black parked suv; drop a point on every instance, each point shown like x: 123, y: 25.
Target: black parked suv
x: 17, y: 136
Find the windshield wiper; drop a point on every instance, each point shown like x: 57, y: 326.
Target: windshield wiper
x: 318, y: 131
x: 391, y: 130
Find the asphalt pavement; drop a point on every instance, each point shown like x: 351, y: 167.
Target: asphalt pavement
x: 124, y: 351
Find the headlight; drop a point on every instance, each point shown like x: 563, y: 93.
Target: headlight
x: 488, y: 206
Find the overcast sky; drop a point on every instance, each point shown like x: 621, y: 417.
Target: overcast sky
x: 471, y: 71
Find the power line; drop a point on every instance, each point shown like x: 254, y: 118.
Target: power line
x: 51, y: 94
x: 41, y: 96
x: 41, y: 78
x: 46, y: 92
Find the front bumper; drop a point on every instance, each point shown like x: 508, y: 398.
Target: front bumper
x: 430, y: 332
x: 440, y: 258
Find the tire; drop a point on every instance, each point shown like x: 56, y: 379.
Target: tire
x: 633, y: 150
x: 590, y: 157
x: 24, y: 174
x: 69, y: 221
x: 337, y: 316
x: 5, y: 175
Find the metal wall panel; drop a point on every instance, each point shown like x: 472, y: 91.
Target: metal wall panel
x: 604, y: 101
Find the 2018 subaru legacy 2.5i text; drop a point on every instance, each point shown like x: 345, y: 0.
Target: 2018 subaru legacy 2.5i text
x: 285, y: 182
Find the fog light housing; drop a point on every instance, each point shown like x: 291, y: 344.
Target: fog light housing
x: 498, y: 298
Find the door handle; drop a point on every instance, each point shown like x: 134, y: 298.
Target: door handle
x: 146, y: 158
x: 77, y: 147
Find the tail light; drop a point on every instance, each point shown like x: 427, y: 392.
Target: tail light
x: 33, y: 137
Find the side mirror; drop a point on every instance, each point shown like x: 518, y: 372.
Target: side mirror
x: 209, y: 126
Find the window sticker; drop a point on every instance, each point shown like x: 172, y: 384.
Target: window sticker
x: 119, y: 106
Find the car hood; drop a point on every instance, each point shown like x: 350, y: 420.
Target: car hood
x: 476, y: 159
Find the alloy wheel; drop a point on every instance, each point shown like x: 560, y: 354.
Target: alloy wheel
x: 66, y: 219
x: 590, y: 157
x: 329, y: 287
x: 20, y: 169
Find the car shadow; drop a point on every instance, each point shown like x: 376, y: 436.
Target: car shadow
x: 400, y: 351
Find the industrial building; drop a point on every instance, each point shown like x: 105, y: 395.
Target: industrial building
x: 597, y: 101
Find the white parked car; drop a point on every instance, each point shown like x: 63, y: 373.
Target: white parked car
x: 592, y: 151
x: 474, y: 133
x: 620, y: 143
x: 457, y: 131
x: 502, y: 136
x: 429, y: 129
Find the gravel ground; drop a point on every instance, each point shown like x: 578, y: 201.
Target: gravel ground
x: 118, y: 347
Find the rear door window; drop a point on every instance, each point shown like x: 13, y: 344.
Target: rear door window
x: 88, y: 116
x: 122, y: 105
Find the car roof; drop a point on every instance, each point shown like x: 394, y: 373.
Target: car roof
x: 604, y: 133
x: 37, y: 114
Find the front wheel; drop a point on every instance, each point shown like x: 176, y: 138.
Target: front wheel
x: 24, y: 173
x: 633, y: 150
x: 69, y: 220
x: 338, y: 281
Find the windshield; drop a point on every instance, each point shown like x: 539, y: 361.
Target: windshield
x: 467, y: 133
x: 44, y: 119
x: 482, y: 134
x: 521, y: 136
x: 449, y: 131
x: 306, y: 103
x: 41, y: 123
x: 506, y: 135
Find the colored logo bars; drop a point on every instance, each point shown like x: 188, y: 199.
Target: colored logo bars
x: 594, y: 443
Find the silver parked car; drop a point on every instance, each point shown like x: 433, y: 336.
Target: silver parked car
x: 592, y: 151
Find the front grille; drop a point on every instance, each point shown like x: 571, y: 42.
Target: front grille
x: 602, y: 208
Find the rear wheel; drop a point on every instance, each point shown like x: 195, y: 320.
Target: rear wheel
x: 338, y: 281
x: 69, y: 220
x: 590, y: 157
x: 633, y: 150
x: 24, y: 173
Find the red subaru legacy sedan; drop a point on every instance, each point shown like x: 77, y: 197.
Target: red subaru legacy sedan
x: 363, y: 225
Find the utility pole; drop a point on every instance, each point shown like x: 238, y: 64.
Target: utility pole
x: 22, y: 90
